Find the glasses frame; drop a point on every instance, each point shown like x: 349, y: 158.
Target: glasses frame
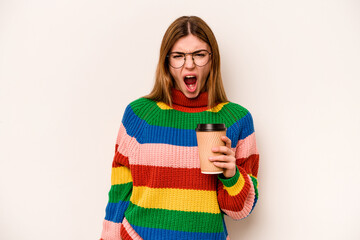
x: 192, y: 57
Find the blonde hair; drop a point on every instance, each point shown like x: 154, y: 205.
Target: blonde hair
x: 164, y: 82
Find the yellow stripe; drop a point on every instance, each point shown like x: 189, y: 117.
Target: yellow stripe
x: 163, y: 106
x: 236, y: 189
x: 120, y: 175
x: 217, y: 107
x: 176, y: 199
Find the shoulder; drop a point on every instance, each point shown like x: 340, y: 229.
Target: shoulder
x: 244, y: 119
x: 139, y: 106
x: 237, y: 107
x: 237, y: 110
x: 140, y: 103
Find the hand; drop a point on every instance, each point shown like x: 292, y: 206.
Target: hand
x: 226, y: 161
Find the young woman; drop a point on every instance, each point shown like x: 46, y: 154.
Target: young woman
x: 157, y: 189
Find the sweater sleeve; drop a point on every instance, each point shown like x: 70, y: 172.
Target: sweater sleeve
x: 237, y: 196
x: 121, y: 184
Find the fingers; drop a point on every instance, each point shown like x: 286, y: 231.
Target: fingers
x: 227, y: 141
x: 225, y: 165
x: 227, y: 159
x: 225, y: 162
x: 224, y: 150
x: 222, y: 158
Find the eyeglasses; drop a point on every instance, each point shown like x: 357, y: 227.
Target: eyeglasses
x: 200, y: 58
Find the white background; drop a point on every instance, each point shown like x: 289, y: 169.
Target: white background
x: 69, y: 68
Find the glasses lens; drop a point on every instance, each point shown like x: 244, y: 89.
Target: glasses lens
x: 176, y: 60
x: 201, y: 58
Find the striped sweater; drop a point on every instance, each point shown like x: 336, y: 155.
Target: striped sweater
x: 157, y: 190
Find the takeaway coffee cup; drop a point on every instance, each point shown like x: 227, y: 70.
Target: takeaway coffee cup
x: 209, y: 136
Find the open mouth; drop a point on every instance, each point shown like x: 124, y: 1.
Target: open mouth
x: 190, y: 82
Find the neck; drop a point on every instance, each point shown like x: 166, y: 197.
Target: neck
x: 182, y: 103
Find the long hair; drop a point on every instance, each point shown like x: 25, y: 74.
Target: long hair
x: 182, y: 27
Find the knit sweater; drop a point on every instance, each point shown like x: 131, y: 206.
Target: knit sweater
x: 157, y: 189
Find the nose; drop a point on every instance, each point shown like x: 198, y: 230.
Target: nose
x: 189, y: 62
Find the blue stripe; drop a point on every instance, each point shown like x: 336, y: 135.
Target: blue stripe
x: 115, y: 211
x: 145, y: 133
x: 247, y: 126
x: 255, y: 201
x: 225, y: 230
x: 161, y: 234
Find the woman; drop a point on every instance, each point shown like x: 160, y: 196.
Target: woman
x: 158, y: 191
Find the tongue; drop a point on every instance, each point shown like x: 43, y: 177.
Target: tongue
x: 189, y: 81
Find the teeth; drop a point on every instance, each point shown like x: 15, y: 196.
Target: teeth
x: 189, y: 76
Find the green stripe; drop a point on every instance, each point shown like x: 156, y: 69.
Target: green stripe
x: 120, y: 192
x: 229, y: 182
x: 229, y: 114
x: 174, y: 220
x: 254, y: 180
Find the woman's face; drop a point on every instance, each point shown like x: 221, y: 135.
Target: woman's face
x: 190, y: 78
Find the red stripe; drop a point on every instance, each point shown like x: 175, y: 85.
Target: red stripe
x: 249, y: 164
x: 119, y: 159
x: 189, y: 110
x: 234, y: 203
x: 166, y: 177
x: 124, y: 234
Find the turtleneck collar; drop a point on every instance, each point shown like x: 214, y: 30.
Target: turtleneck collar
x: 182, y: 103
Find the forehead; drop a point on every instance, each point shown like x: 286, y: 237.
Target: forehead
x: 189, y: 43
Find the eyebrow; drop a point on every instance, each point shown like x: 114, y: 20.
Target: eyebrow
x: 191, y: 52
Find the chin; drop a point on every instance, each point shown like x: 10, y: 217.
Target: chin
x: 188, y: 94
x: 191, y: 95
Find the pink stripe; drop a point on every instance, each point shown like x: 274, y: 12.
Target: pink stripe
x: 246, y: 147
x: 189, y: 156
x: 126, y: 143
x: 249, y: 202
x: 111, y: 230
x: 130, y: 230
x: 122, y: 140
x: 228, y: 238
x: 181, y: 157
x: 149, y: 153
x: 171, y: 156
